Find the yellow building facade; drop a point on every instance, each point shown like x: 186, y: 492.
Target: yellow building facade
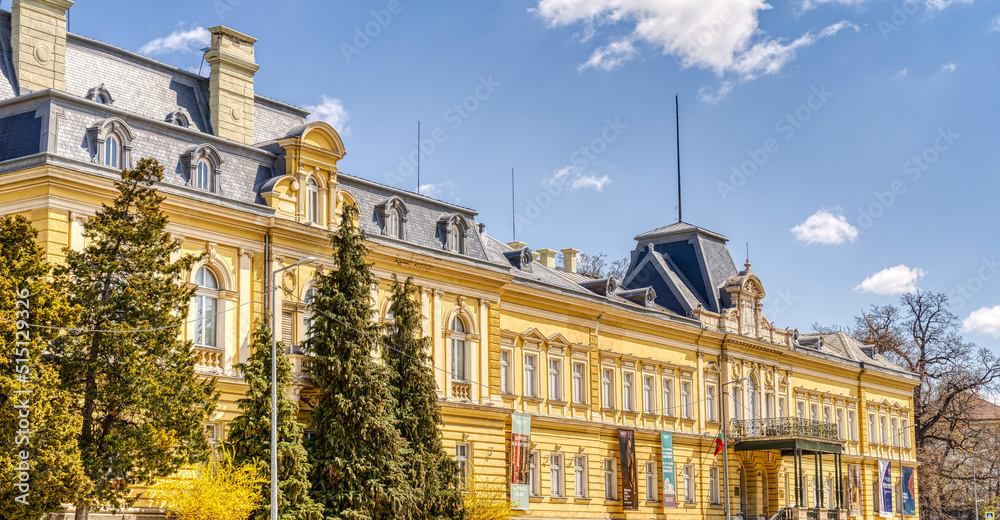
x: 679, y: 345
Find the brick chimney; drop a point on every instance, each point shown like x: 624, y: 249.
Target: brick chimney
x: 547, y: 257
x: 231, y: 84
x: 38, y: 44
x: 569, y: 259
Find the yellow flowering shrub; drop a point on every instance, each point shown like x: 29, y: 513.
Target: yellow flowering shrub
x: 216, y: 490
x: 487, y: 499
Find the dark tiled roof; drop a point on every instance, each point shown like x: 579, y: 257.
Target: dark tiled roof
x: 7, y: 89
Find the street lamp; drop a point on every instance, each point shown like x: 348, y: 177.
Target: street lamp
x: 975, y: 484
x: 899, y: 436
x: 725, y: 444
x: 274, y: 385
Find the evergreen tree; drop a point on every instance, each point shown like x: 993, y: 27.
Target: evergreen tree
x: 53, y: 458
x: 430, y: 469
x: 250, y: 433
x: 131, y: 377
x: 358, y: 454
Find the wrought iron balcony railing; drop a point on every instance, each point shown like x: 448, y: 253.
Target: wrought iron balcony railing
x: 784, y: 427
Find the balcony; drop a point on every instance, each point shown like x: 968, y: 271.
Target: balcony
x: 461, y: 390
x: 784, y: 427
x: 209, y: 359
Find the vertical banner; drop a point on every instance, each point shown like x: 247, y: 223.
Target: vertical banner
x: 520, y: 451
x: 885, y: 486
x: 909, y: 486
x: 626, y: 451
x: 669, y: 475
x: 853, y: 490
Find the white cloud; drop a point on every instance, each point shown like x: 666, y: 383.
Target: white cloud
x: 900, y: 75
x: 826, y: 228
x: 985, y: 320
x: 892, y: 281
x: 719, y: 35
x: 948, y: 67
x: 574, y: 178
x: 332, y: 112
x: 939, y: 5
x: 932, y: 5
x: 178, y: 41
x: 995, y: 25
x: 714, y: 96
x: 437, y: 190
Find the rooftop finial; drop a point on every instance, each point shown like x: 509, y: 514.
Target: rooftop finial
x: 747, y: 265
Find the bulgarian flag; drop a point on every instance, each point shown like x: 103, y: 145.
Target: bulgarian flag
x: 718, y: 444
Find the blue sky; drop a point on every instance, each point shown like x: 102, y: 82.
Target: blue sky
x: 852, y: 143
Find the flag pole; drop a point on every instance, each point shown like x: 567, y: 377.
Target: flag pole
x: 725, y: 446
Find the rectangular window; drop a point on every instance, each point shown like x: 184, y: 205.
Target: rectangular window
x: 812, y: 412
x: 505, y: 371
x: 580, y: 476
x: 288, y: 329
x: 769, y: 406
x: 458, y: 364
x: 840, y: 424
x: 689, y: 484
x: 578, y: 383
x: 608, y: 386
x: 830, y: 492
x: 651, y: 481
x: 555, y: 379
x: 686, y: 400
x: 610, y: 480
x: 668, y: 397
x: 462, y: 457
x: 885, y: 429
x: 871, y: 429
x: 826, y: 414
x: 212, y: 433
x: 895, y: 432
x: 710, y: 404
x: 851, y: 426
x: 738, y: 404
x: 530, y: 386
x: 649, y: 402
x: 556, y: 465
x: 713, y: 485
x: 627, y: 397
x: 781, y: 407
x: 800, y: 410
x: 906, y: 433
x: 534, y: 475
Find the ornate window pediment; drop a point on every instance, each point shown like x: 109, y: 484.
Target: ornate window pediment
x: 110, y: 143
x: 100, y: 95
x: 203, y: 165
x: 392, y: 217
x: 179, y: 117
x: 522, y: 258
x: 452, y: 230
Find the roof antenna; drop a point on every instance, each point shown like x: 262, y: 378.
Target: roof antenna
x: 203, y: 51
x: 418, y: 157
x: 513, y: 211
x: 677, y: 112
x: 747, y: 265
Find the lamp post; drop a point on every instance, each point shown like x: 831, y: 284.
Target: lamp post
x: 900, y: 440
x: 975, y: 483
x: 274, y: 385
x: 725, y: 445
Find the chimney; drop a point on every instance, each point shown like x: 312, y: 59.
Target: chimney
x: 516, y: 245
x: 38, y: 44
x: 569, y: 259
x: 231, y: 84
x: 547, y: 257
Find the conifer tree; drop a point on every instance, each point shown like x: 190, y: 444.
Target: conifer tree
x: 250, y: 433
x: 358, y: 454
x: 430, y: 469
x: 131, y: 377
x: 52, y: 455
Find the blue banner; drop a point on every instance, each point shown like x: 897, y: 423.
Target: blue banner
x: 909, y: 492
x: 885, y: 485
x: 667, y: 463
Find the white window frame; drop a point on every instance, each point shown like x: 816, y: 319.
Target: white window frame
x: 872, y: 434
x: 112, y: 151
x: 462, y: 458
x: 883, y: 423
x: 555, y: 379
x: 686, y: 400
x: 579, y: 383
x: 580, y: 481
x: 894, y: 424
x: 459, y: 344
x: 557, y: 478
x: 628, y: 391
x: 651, y: 481
x: 852, y: 425
x: 711, y: 405
x: 713, y: 485
x: 608, y: 388
x: 668, y: 396
x: 207, y: 308
x: 800, y: 410
x: 648, y: 396
x: 781, y: 407
x: 906, y: 433
x: 312, y: 201
x: 690, y: 495
x: 505, y: 370
x: 530, y: 375
x: 534, y: 474
x: 610, y: 479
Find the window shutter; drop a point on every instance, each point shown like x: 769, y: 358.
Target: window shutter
x: 287, y: 329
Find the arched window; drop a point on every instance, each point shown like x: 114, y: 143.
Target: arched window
x: 206, y: 308
x: 312, y: 201
x: 112, y: 151
x: 392, y: 224
x: 752, y: 398
x: 454, y: 238
x: 204, y: 175
x: 101, y: 98
x: 458, y: 357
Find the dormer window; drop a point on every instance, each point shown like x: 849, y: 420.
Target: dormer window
x: 112, y: 151
x: 392, y: 215
x: 100, y: 95
x: 312, y: 201
x: 102, y: 98
x: 204, y: 175
x: 451, y: 232
x: 454, y: 238
x: 179, y: 117
x: 392, y: 224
